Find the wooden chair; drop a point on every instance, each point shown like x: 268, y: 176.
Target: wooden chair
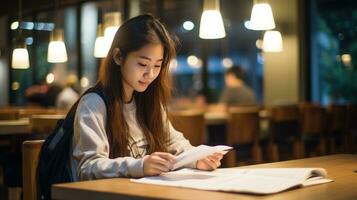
x: 313, y: 128
x: 30, y: 156
x: 352, y: 127
x: 337, y: 121
x: 43, y: 125
x: 28, y: 112
x: 284, y: 132
x: 9, y: 114
x: 191, y: 123
x: 243, y: 131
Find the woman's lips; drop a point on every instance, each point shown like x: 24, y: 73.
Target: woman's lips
x: 144, y: 83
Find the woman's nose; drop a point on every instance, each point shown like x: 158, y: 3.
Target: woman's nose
x: 150, y: 72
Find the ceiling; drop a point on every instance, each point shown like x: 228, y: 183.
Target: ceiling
x: 11, y: 7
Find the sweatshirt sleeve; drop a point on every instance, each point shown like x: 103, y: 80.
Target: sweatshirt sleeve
x: 91, y: 146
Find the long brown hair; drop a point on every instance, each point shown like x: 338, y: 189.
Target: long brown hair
x: 151, y: 104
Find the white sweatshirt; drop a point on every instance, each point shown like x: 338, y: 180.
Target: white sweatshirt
x: 90, y: 155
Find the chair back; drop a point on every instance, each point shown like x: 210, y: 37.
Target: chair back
x: 243, y: 125
x: 284, y: 123
x: 337, y: 118
x: 28, y: 112
x: 30, y: 156
x: 9, y: 114
x: 352, y: 117
x: 44, y: 124
x: 312, y: 119
x: 191, y: 123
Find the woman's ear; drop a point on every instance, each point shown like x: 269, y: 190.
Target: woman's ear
x: 117, y: 56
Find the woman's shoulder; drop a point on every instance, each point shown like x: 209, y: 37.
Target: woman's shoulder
x: 92, y: 101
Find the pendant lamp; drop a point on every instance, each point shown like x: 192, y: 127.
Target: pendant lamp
x: 57, y: 52
x: 101, y: 46
x: 20, y: 56
x: 272, y: 41
x: 56, y: 48
x: 211, y: 25
x: 261, y: 17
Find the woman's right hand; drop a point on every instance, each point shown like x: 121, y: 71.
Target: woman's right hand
x: 157, y: 163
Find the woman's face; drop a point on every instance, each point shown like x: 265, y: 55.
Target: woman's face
x: 140, y: 68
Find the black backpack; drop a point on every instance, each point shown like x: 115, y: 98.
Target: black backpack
x: 54, y: 160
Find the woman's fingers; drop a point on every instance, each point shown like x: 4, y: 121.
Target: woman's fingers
x: 158, y: 162
x: 210, y: 162
x: 167, y: 156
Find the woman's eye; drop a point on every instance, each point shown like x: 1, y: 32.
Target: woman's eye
x: 142, y: 64
x: 157, y: 65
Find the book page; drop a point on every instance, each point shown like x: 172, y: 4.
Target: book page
x: 263, y: 181
x: 300, y: 174
x: 197, y: 153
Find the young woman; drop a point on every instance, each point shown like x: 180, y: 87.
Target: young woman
x: 133, y: 137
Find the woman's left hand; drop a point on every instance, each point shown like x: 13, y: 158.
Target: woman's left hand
x: 210, y: 162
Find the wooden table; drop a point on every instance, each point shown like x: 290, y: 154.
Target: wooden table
x: 340, y: 168
x: 215, y: 118
x: 14, y: 127
x: 22, y: 126
x: 218, y: 118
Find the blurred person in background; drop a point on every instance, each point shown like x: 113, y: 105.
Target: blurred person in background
x: 43, y: 94
x: 69, y: 95
x: 236, y: 92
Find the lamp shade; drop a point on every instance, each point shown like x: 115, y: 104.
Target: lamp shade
x: 211, y: 25
x: 56, y: 48
x: 20, y: 58
x: 272, y: 41
x: 112, y: 21
x: 261, y: 17
x: 101, y: 45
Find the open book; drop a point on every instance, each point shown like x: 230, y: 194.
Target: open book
x: 248, y: 180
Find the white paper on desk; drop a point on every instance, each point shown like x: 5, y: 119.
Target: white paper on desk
x: 249, y: 180
x: 197, y: 153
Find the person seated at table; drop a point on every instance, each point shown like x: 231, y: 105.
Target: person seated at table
x: 133, y: 137
x: 43, y: 94
x: 69, y: 94
x: 236, y: 92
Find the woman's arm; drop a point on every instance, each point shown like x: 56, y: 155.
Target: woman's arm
x: 91, y: 146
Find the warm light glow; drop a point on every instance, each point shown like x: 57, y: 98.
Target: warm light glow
x: 272, y: 41
x: 56, y: 48
x: 14, y: 25
x: 109, y: 33
x: 211, y: 26
x: 112, y: 21
x: 84, y: 82
x: 346, y: 59
x: 227, y: 62
x: 188, y: 25
x: 101, y: 47
x: 20, y: 59
x: 192, y: 60
x: 261, y: 17
x: 50, y: 78
x: 259, y: 43
x: 57, y: 52
x: 15, y: 85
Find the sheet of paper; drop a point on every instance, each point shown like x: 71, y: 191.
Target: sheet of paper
x: 256, y: 181
x: 197, y: 153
